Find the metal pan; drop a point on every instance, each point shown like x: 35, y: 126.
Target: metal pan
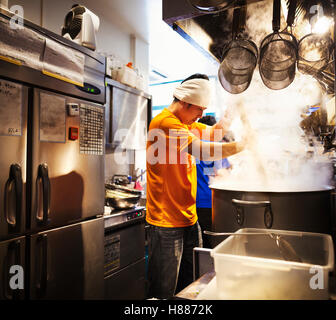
x: 120, y: 197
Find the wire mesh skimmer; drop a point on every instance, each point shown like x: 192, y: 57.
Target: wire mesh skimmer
x: 240, y: 57
x: 278, y: 51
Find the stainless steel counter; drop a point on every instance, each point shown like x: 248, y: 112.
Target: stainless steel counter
x: 194, y: 290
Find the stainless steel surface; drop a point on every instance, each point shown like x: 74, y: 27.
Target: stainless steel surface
x: 13, y: 151
x: 128, y: 246
x: 278, y: 53
x: 202, y: 262
x: 298, y: 211
x: 195, y: 288
x: 240, y: 57
x: 208, y: 32
x: 66, y: 263
x: 236, y: 69
x: 60, y: 246
x: 12, y: 252
x: 196, y: 25
x: 321, y: 65
x: 128, y: 119
x: 128, y: 283
x: 76, y: 188
x: 116, y: 218
x: 94, y: 68
x: 124, y: 255
x: 117, y: 159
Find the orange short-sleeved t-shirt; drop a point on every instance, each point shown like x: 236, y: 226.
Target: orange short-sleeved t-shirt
x: 171, y: 172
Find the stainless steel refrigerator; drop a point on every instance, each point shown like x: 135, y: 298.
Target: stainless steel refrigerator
x: 51, y: 179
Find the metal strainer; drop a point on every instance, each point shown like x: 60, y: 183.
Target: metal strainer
x: 240, y: 57
x: 314, y: 53
x: 278, y: 52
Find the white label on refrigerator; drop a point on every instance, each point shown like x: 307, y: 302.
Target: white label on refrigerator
x: 52, y: 118
x: 21, y: 46
x: 63, y: 63
x: 10, y: 108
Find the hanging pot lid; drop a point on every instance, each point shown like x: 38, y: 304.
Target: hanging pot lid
x: 211, y: 5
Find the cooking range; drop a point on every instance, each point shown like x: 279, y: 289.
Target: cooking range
x: 124, y: 253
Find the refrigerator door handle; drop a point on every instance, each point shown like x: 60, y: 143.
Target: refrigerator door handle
x: 42, y: 263
x: 12, y: 258
x: 13, y: 217
x: 43, y: 175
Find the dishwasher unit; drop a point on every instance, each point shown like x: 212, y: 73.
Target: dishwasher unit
x: 124, y: 255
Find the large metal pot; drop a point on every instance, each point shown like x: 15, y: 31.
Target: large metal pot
x: 309, y: 211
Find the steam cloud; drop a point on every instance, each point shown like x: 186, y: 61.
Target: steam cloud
x: 280, y: 158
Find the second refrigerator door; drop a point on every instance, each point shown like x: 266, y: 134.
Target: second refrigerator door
x: 13, y: 143
x: 67, y: 263
x: 67, y: 160
x: 12, y: 269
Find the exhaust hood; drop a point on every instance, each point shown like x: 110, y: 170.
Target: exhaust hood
x: 208, y: 31
x: 210, y: 28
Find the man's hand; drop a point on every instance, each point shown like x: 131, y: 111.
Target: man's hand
x: 219, y: 129
x: 226, y: 120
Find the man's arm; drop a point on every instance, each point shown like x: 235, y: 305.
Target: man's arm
x: 217, y: 132
x: 211, y: 151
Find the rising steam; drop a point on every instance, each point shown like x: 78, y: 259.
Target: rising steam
x: 280, y: 157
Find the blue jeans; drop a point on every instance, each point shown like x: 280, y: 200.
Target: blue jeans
x: 170, y: 258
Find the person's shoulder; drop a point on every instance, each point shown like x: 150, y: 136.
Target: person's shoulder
x: 157, y: 120
x: 167, y: 120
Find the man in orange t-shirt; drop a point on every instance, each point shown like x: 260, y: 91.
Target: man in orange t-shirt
x: 174, y: 139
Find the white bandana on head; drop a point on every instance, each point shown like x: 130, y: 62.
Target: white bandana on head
x: 194, y: 91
